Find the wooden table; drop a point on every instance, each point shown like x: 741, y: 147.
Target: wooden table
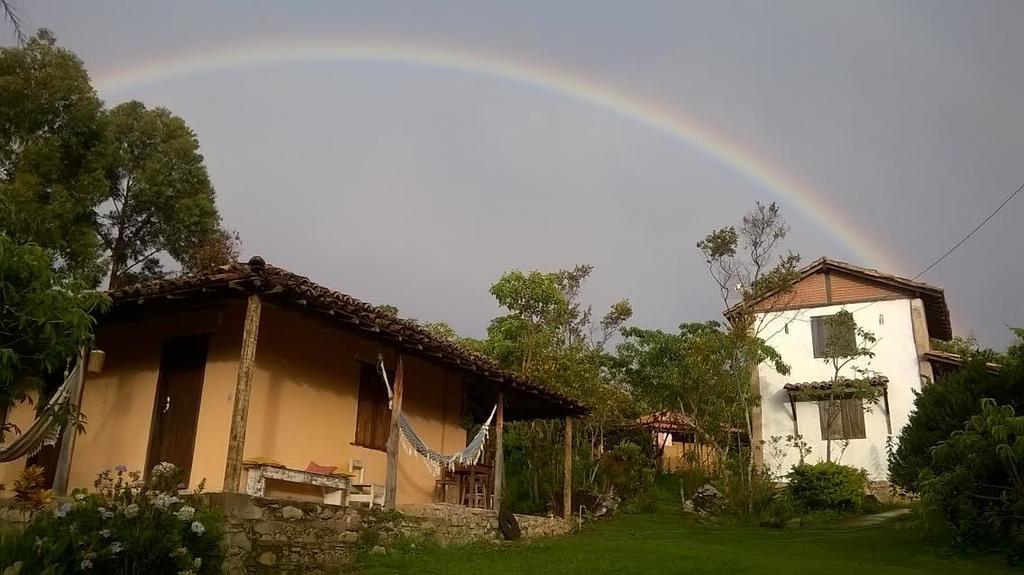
x: 336, y: 487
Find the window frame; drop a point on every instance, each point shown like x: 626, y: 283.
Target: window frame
x: 820, y: 327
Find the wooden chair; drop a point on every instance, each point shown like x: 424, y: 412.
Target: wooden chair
x: 362, y: 492
x: 441, y: 486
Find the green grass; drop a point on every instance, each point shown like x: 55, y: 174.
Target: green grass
x: 665, y: 542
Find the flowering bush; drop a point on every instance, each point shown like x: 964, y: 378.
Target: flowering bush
x: 125, y: 526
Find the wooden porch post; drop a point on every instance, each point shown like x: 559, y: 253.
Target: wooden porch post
x: 499, y: 451
x: 62, y: 474
x: 391, y: 482
x: 567, y: 473
x: 243, y: 387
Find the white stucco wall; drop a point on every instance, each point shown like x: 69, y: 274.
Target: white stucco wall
x: 895, y: 357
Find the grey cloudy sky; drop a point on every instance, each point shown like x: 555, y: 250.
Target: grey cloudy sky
x: 418, y: 186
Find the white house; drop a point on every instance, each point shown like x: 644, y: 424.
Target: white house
x: 902, y: 315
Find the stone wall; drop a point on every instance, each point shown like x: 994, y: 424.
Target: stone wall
x: 264, y: 536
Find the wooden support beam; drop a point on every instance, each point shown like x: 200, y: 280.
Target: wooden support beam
x: 499, y: 450
x: 391, y: 481
x: 243, y: 388
x: 62, y: 474
x: 567, y: 473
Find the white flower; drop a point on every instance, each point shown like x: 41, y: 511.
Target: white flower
x: 131, y: 511
x: 178, y: 552
x: 163, y: 500
x: 186, y: 513
x: 86, y: 564
x: 79, y: 497
x: 106, y: 513
x: 104, y: 533
x: 63, y: 510
x: 198, y: 528
x: 116, y: 547
x: 164, y: 468
x: 197, y: 563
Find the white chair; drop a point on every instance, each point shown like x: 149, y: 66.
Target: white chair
x: 360, y: 491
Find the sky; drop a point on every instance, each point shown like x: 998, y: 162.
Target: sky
x: 411, y: 152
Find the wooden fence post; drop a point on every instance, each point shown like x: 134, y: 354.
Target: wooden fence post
x: 243, y: 389
x: 567, y: 472
x: 62, y: 474
x: 499, y: 451
x: 391, y: 482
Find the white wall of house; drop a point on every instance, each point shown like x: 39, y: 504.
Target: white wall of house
x: 895, y: 357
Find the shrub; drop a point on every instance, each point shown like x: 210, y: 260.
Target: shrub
x: 942, y: 408
x: 827, y: 486
x: 629, y: 471
x: 125, y: 526
x: 973, y: 493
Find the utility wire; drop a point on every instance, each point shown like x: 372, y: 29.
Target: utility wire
x: 971, y: 234
x: 949, y: 251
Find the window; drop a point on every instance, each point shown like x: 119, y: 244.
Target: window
x: 373, y: 416
x: 829, y: 335
x: 842, y: 419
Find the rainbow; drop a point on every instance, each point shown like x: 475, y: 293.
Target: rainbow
x: 672, y: 123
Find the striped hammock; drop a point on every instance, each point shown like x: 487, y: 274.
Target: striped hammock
x: 46, y: 429
x: 414, y: 444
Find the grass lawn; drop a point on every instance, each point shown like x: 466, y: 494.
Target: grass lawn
x: 664, y: 542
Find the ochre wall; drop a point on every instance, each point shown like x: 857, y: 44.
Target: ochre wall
x: 305, y: 394
x: 119, y: 402
x: 303, y: 405
x: 21, y: 416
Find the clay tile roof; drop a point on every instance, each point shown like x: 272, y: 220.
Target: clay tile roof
x: 280, y: 285
x: 951, y: 359
x: 934, y: 298
x: 815, y: 386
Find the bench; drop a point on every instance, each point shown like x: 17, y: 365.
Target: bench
x: 336, y: 487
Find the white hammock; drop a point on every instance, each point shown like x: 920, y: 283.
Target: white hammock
x: 46, y: 429
x: 470, y: 455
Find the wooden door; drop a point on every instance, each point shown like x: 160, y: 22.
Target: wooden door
x: 176, y: 408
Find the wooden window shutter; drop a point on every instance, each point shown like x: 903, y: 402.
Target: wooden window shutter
x: 818, y: 335
x: 853, y: 419
x: 373, y: 416
x: 830, y: 429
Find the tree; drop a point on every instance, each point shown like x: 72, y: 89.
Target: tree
x: 695, y: 373
x: 161, y: 199
x: 845, y: 344
x: 222, y: 247
x: 44, y: 320
x: 744, y: 265
x: 942, y: 408
x: 52, y: 155
x: 13, y: 18
x: 549, y: 336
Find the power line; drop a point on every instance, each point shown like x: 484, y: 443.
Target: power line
x: 971, y: 234
x: 948, y: 252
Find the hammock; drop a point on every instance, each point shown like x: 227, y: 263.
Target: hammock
x: 414, y: 444
x: 46, y: 429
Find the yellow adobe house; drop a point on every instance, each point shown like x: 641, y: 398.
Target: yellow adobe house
x: 250, y: 362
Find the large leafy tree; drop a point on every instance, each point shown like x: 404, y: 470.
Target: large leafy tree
x: 698, y: 372
x: 548, y: 334
x: 161, y: 199
x: 52, y: 155
x: 44, y: 319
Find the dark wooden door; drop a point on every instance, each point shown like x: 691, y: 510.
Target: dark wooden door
x: 176, y: 409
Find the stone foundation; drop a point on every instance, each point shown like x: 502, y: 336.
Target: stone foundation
x: 264, y: 536
x: 455, y: 525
